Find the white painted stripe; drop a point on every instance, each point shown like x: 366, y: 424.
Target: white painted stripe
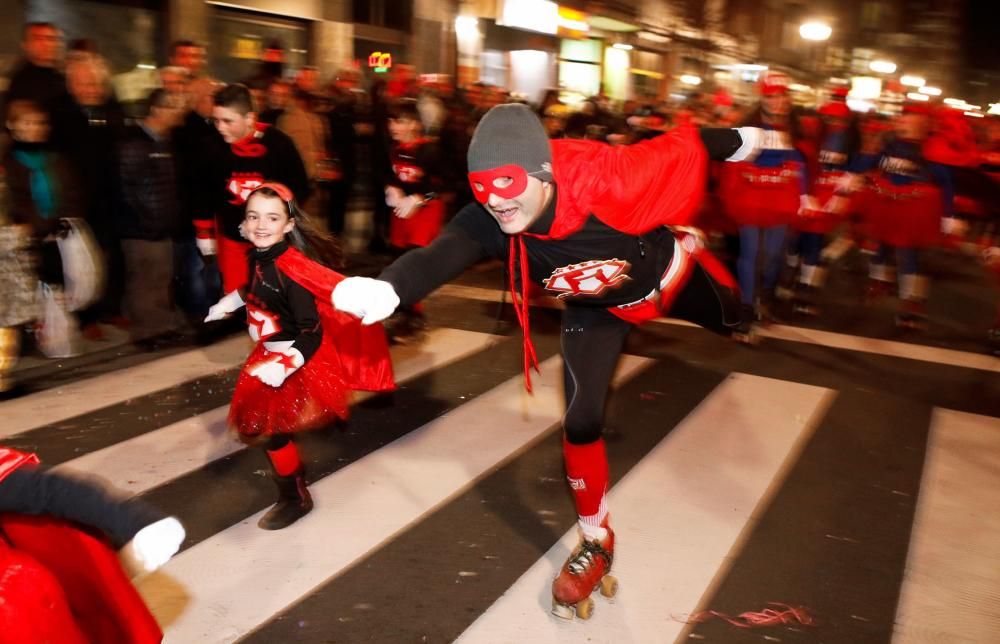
x: 154, y: 458
x: 679, y: 516
x: 54, y: 405
x: 225, y: 586
x: 951, y: 587
x: 863, y: 344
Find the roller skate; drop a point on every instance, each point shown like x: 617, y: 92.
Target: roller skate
x: 586, y: 570
x: 912, y: 315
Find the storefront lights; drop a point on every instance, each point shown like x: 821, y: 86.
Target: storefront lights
x: 466, y: 26
x: 535, y: 15
x: 622, y: 46
x: 799, y: 87
x: 690, y: 79
x: 912, y: 81
x: 974, y: 114
x: 815, y: 30
x: 914, y: 96
x: 994, y: 108
x: 930, y: 91
x: 865, y: 87
x: 882, y: 66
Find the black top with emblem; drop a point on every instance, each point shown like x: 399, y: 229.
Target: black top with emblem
x: 279, y: 308
x: 596, y: 266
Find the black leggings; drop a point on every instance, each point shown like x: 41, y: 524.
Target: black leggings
x: 593, y: 338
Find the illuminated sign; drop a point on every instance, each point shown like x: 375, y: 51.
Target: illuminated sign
x: 379, y: 61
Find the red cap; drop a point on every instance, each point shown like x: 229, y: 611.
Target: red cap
x: 835, y: 109
x: 773, y: 83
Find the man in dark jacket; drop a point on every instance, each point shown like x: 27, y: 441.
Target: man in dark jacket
x: 150, y: 216
x: 36, y: 78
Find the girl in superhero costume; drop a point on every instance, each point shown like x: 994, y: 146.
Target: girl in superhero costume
x: 308, y: 357
x: 585, y: 220
x: 60, y: 577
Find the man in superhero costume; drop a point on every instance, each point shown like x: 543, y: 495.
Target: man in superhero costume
x: 586, y: 221
x: 60, y: 579
x: 255, y: 153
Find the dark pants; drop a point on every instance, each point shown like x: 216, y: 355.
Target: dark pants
x: 149, y: 274
x: 198, y: 282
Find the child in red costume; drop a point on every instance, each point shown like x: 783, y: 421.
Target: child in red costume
x: 62, y: 583
x: 308, y: 357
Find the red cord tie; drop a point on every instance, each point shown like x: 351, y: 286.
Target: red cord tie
x: 518, y: 254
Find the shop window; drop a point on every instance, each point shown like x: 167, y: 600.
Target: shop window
x: 393, y: 14
x: 238, y: 38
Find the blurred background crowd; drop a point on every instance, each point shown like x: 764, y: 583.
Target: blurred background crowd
x: 109, y: 168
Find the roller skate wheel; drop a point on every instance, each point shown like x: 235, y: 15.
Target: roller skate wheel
x: 562, y: 610
x: 609, y: 586
x: 585, y: 608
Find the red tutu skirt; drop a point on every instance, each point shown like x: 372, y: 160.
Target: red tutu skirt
x: 902, y: 216
x: 763, y: 197
x: 310, y: 398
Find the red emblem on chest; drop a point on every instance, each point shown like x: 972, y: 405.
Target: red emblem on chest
x: 261, y: 324
x: 241, y: 184
x: 587, y: 278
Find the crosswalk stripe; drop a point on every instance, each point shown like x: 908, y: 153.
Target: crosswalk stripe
x: 154, y: 458
x: 788, y: 333
x: 951, y: 589
x: 58, y: 404
x: 679, y: 516
x: 229, y: 584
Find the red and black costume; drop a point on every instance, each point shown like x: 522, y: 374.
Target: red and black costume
x: 417, y: 169
x: 266, y: 154
x: 601, y: 247
x: 288, y: 299
x: 59, y: 581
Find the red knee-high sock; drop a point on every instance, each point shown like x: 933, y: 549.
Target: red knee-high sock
x: 285, y: 459
x: 587, y: 472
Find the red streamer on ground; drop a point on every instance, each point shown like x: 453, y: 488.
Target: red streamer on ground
x: 784, y: 614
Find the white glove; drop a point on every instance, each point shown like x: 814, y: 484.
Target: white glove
x: 206, y: 245
x: 954, y: 226
x: 407, y: 206
x: 752, y: 140
x: 807, y: 204
x: 836, y: 205
x: 991, y: 255
x: 369, y: 299
x: 283, y: 361
x: 393, y: 195
x: 222, y: 309
x: 155, y: 544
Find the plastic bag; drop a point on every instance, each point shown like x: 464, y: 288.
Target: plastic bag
x: 56, y: 334
x: 83, y: 266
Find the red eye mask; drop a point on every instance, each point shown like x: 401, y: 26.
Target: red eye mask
x: 483, y: 186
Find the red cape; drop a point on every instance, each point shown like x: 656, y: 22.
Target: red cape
x: 363, y: 350
x: 632, y: 188
x: 61, y: 558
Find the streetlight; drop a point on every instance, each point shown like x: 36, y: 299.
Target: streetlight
x: 815, y: 30
x: 882, y: 66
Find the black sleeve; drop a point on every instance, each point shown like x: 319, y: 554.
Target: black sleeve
x: 37, y: 491
x: 464, y: 241
x: 721, y: 142
x: 308, y: 332
x: 430, y: 161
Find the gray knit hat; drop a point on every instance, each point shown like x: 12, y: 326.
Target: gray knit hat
x: 511, y: 134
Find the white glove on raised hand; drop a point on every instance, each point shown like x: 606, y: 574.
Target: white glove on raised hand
x: 753, y: 138
x: 281, y: 361
x: 407, y: 206
x: 954, y: 226
x: 222, y: 309
x: 393, y: 195
x: 206, y: 245
x: 848, y: 183
x: 155, y: 544
x: 369, y: 299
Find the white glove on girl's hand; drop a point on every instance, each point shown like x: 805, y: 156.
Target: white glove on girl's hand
x: 407, y: 206
x: 225, y: 307
x: 848, y: 183
x: 369, y: 299
x: 282, y: 361
x: 953, y: 226
x: 155, y: 544
x: 991, y: 255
